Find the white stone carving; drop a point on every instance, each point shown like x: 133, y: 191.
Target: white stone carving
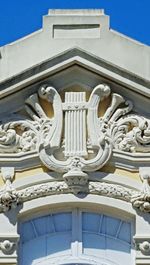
x: 8, y: 199
x: 75, y: 162
x: 111, y: 190
x: 60, y: 187
x: 145, y: 177
x: 7, y: 174
x: 75, y: 124
x: 8, y: 196
x: 7, y: 247
x: 18, y: 136
x: 142, y: 247
x: 141, y: 200
x: 145, y: 247
x: 84, y: 141
x: 134, y: 134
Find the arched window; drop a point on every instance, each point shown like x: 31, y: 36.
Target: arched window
x: 75, y: 237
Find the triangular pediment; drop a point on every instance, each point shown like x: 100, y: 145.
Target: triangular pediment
x: 75, y: 113
x: 73, y: 67
x: 76, y: 73
x: 69, y: 58
x: 75, y: 144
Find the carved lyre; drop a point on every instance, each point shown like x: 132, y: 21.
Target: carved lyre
x: 81, y: 124
x: 75, y: 121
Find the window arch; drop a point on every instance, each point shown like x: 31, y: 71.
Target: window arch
x: 75, y: 237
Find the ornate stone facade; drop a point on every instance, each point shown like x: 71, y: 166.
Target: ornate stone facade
x: 78, y: 119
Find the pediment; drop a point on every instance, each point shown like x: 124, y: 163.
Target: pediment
x: 74, y: 136
x: 78, y: 75
x: 74, y: 66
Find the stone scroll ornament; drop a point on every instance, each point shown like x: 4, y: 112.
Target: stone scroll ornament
x: 76, y: 140
x: 81, y: 136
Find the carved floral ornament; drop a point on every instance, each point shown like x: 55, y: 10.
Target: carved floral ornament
x: 76, y: 140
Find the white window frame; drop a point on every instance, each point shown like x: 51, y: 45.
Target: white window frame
x: 77, y: 242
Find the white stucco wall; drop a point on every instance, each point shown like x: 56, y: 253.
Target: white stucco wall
x: 58, y: 35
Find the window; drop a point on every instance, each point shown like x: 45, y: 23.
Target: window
x: 75, y: 237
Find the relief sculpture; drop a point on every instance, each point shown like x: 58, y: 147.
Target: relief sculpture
x: 85, y: 140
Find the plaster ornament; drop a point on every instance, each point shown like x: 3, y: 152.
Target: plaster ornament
x: 12, y: 198
x: 60, y: 187
x: 84, y: 141
x: 79, y: 114
x: 12, y: 141
x: 8, y: 199
x: 144, y: 247
x: 8, y: 195
x: 141, y: 200
x: 135, y: 138
x: 111, y: 190
x: 7, y: 174
x: 7, y: 247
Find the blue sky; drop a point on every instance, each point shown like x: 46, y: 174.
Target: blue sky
x: 21, y: 17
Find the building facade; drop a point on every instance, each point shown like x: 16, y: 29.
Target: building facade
x: 75, y: 145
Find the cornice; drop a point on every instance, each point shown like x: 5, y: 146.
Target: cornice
x: 72, y: 57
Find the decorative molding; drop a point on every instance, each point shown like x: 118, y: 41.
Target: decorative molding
x: 76, y: 149
x: 141, y: 200
x: 145, y: 247
x: 7, y: 246
x: 120, y: 159
x: 135, y: 138
x: 12, y: 198
x: 8, y: 199
x: 8, y: 195
x: 111, y: 190
x: 142, y: 247
x: 60, y: 187
x: 87, y: 141
x: 7, y: 174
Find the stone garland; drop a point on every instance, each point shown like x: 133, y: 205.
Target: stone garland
x: 12, y: 198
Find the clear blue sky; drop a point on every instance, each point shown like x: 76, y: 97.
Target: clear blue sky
x: 21, y: 17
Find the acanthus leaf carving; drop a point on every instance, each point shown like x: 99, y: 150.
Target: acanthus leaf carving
x: 76, y: 131
x: 135, y: 134
x: 18, y: 136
